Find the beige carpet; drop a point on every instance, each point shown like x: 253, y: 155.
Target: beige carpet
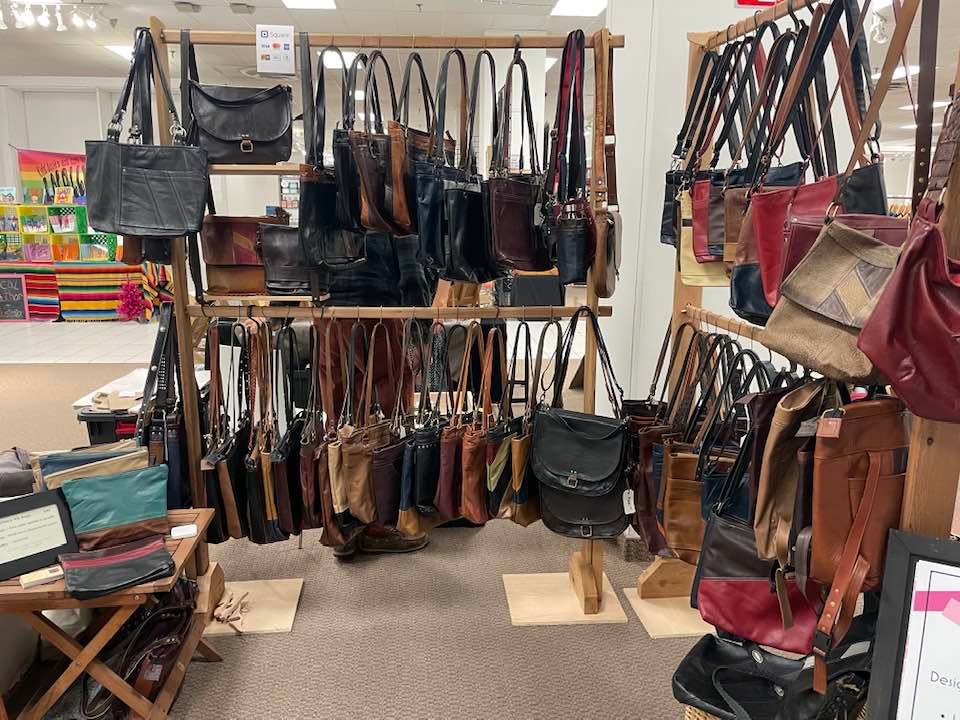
x: 425, y: 636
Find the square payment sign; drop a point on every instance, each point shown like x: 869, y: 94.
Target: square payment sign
x: 275, y: 50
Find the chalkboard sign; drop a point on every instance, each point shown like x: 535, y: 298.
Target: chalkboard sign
x: 13, y: 298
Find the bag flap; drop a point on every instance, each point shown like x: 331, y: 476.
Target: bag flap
x: 577, y: 452
x: 842, y: 275
x: 574, y: 509
x: 231, y: 114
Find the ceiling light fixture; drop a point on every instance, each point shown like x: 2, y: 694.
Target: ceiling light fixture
x: 310, y: 4
x: 936, y: 105
x: 3, y: 23
x: 240, y: 8
x: 91, y: 23
x: 578, y: 8
x: 331, y: 60
x: 60, y: 26
x: 44, y: 18
x: 76, y: 19
x: 27, y: 17
x: 124, y: 51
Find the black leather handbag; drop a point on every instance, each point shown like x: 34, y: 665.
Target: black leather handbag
x: 285, y: 268
x: 235, y: 124
x: 348, y: 176
x: 138, y: 188
x: 580, y: 459
x: 568, y: 214
x: 326, y: 242
x: 92, y: 574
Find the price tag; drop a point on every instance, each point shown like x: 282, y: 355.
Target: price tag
x: 829, y: 425
x: 628, y: 505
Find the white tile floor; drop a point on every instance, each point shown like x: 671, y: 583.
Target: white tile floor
x: 76, y: 342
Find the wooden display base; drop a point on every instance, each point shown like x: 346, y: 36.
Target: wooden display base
x: 550, y: 599
x: 272, y: 607
x: 666, y: 578
x: 667, y: 617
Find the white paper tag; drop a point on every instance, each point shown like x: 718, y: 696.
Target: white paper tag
x: 275, y: 54
x: 628, y: 505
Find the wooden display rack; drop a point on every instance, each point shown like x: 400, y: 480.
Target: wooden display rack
x: 930, y: 487
x: 586, y: 564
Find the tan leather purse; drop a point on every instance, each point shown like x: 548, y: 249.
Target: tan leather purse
x: 693, y: 273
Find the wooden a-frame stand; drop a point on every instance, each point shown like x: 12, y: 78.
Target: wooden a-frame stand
x: 930, y: 489
x: 586, y: 564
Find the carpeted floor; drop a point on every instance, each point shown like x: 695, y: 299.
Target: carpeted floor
x: 424, y: 636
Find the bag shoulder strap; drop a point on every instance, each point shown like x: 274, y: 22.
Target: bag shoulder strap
x: 474, y: 94
x: 441, y: 110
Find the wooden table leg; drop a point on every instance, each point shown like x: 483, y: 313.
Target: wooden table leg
x: 168, y: 693
x: 84, y: 660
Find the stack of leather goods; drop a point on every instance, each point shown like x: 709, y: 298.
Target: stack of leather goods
x: 813, y: 466
x: 396, y: 209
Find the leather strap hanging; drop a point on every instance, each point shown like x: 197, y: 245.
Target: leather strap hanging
x: 929, y: 30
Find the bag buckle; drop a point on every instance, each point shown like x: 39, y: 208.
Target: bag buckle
x: 822, y: 643
x: 572, y: 481
x: 586, y: 531
x: 246, y: 145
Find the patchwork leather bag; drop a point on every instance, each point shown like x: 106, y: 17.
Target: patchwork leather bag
x: 230, y: 255
x: 578, y: 458
x: 525, y: 505
x: 450, y: 482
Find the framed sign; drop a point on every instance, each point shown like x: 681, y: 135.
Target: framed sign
x: 34, y: 530
x: 13, y: 298
x: 915, y: 675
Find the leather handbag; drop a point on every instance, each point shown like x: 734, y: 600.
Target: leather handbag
x: 732, y: 679
x: 826, y: 300
x: 285, y: 267
x: 345, y: 167
x: 108, y: 510
x: 525, y: 505
x: 431, y: 422
x: 693, y: 273
x: 779, y: 471
x: 16, y: 477
x: 919, y: 303
x: 450, y: 481
x: 273, y: 488
x: 517, y: 238
x: 310, y: 441
x: 233, y: 265
x: 859, y: 469
x: 89, y: 575
x: 580, y: 459
x: 500, y: 435
x: 328, y: 236
x: 338, y: 525
x: 285, y: 455
x: 568, y: 215
x: 142, y: 189
x: 235, y: 124
x: 603, y: 189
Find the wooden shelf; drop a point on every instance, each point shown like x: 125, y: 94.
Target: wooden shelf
x: 277, y: 169
x: 412, y: 42
x: 245, y: 309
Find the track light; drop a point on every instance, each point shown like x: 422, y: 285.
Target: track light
x: 76, y: 19
x: 91, y: 23
x: 44, y: 18
x: 27, y: 16
x: 3, y: 23
x: 60, y: 26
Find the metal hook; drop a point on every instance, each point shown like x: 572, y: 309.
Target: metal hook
x: 516, y: 45
x: 413, y: 41
x: 381, y: 313
x: 756, y: 21
x: 732, y: 25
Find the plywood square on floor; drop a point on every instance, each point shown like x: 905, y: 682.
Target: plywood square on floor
x: 667, y: 617
x: 549, y: 599
x: 272, y: 606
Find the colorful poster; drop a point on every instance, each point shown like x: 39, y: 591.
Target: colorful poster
x: 930, y: 683
x: 41, y: 173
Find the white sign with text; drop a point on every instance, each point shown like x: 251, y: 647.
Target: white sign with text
x: 275, y: 54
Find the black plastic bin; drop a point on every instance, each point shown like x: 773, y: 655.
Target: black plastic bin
x: 105, y: 427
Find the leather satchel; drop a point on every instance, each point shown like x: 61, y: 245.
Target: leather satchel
x: 826, y: 300
x: 235, y: 124
x: 142, y: 189
x: 858, y: 475
x: 285, y: 267
x: 580, y: 459
x: 234, y: 267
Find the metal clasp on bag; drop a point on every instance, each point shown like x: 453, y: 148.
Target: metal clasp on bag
x: 572, y: 481
x: 586, y: 531
x: 246, y: 145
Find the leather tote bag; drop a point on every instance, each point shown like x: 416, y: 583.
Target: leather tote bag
x: 93, y: 574
x: 515, y: 225
x: 235, y: 124
x: 910, y: 334
x: 693, y: 273
x: 525, y: 508
x: 346, y: 170
x: 108, y: 510
x: 500, y: 436
x: 234, y: 267
x: 826, y: 300
x: 285, y: 268
x: 311, y: 439
x: 142, y: 189
x: 329, y: 240
x: 859, y: 470
x: 580, y: 459
x: 568, y: 213
x: 450, y: 482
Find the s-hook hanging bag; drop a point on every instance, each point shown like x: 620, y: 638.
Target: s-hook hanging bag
x: 138, y: 188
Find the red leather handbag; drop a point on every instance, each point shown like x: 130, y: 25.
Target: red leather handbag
x: 911, y: 336
x: 700, y: 196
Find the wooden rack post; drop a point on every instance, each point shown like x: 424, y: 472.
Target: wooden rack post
x: 931, y: 485
x: 586, y: 564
